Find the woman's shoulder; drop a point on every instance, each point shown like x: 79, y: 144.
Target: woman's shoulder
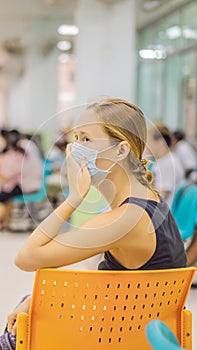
x: 130, y: 216
x: 105, y: 229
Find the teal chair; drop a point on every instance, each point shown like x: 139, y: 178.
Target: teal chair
x: 29, y: 200
x: 184, y: 210
x: 39, y: 195
x: 34, y: 197
x: 161, y: 337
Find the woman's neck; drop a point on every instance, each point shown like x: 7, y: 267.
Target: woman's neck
x: 119, y: 186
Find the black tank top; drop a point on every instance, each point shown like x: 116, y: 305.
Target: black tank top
x: 169, y: 252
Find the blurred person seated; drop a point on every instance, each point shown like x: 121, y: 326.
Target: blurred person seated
x: 191, y: 248
x: 185, y: 152
x: 37, y: 139
x: 57, y: 179
x: 184, y: 210
x: 167, y: 168
x: 29, y: 141
x: 11, y: 157
x: 32, y: 170
x: 20, y: 172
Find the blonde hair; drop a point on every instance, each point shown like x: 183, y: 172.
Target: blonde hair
x: 124, y: 121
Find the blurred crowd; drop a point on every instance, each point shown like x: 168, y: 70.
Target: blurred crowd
x: 25, y: 169
x: 174, y: 160
x: 174, y: 167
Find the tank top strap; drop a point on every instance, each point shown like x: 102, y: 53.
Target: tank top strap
x: 157, y: 211
x: 143, y: 203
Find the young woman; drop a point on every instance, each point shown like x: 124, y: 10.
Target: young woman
x: 138, y: 233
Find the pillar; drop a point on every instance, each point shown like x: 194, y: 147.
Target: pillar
x: 105, y: 50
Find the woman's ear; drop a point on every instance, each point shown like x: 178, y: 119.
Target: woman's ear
x: 123, y: 150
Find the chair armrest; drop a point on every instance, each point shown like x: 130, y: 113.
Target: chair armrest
x: 187, y: 330
x: 22, y: 331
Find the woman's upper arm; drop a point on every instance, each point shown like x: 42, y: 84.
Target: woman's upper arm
x: 100, y: 232
x: 95, y: 236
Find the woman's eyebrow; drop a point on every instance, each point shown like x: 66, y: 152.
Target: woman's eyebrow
x: 81, y: 132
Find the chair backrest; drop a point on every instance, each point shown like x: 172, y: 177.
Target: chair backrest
x: 104, y: 309
x: 184, y: 209
x: 37, y: 196
x: 161, y: 337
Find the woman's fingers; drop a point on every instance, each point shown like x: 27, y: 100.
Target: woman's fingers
x: 83, y: 164
x: 11, y: 322
x: 68, y: 150
x: 10, y: 325
x: 14, y: 329
x: 78, y: 177
x: 69, y: 158
x: 12, y: 318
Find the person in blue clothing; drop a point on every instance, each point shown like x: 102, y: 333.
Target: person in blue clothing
x: 139, y: 231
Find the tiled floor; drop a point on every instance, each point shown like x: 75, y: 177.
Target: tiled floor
x: 16, y: 283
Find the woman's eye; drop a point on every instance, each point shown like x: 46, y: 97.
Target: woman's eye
x: 76, y: 137
x: 86, y: 139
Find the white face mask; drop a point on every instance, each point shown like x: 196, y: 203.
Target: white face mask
x: 97, y: 175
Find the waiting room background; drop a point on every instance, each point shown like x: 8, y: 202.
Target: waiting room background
x: 144, y: 51
x: 59, y: 54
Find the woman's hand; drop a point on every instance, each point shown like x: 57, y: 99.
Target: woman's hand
x: 79, y: 179
x: 12, y: 318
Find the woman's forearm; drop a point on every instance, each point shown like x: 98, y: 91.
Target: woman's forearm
x: 46, y: 231
x: 54, y: 222
x: 36, y: 252
x: 50, y: 227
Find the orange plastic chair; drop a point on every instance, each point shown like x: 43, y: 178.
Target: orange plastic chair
x: 101, y: 310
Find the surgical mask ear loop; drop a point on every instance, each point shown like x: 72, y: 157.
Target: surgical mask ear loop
x: 110, y: 147
x: 112, y: 165
x: 106, y: 149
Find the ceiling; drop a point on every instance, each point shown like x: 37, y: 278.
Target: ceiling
x: 14, y: 19
x: 148, y: 13
x: 27, y: 8
x: 45, y: 16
